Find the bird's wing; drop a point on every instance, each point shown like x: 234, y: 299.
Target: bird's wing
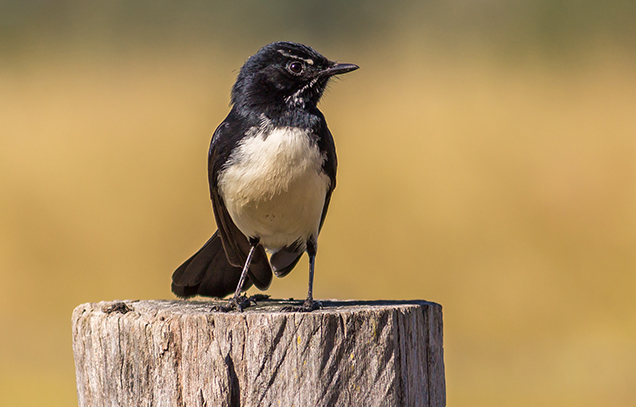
x: 235, y: 243
x: 329, y: 166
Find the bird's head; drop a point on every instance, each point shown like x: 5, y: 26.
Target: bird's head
x: 284, y: 75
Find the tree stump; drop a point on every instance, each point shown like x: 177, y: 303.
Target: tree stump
x: 180, y: 353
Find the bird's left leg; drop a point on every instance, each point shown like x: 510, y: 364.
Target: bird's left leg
x: 309, y: 304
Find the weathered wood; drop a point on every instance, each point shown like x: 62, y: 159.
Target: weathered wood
x: 178, y: 353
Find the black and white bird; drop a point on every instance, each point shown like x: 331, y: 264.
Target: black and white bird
x: 271, y: 169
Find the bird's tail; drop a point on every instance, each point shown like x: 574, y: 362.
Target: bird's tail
x: 209, y: 273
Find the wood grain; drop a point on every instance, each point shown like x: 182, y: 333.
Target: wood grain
x: 179, y: 353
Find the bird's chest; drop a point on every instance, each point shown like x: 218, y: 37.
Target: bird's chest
x: 274, y: 184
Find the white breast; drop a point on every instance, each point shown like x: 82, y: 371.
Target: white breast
x: 274, y: 187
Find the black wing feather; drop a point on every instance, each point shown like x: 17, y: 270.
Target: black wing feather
x: 235, y: 243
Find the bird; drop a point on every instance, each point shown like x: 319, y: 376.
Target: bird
x: 271, y: 171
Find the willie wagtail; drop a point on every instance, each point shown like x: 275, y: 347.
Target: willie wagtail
x: 271, y: 169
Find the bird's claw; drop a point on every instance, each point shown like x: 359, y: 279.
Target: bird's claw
x: 308, y: 306
x: 240, y: 303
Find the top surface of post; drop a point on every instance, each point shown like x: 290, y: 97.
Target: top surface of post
x: 267, y: 306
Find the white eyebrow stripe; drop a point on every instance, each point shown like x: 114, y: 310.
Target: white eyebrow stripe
x: 309, y: 61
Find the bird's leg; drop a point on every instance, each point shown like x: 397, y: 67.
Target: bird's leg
x: 309, y: 304
x: 239, y: 301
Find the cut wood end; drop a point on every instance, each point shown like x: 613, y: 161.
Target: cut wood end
x: 266, y: 306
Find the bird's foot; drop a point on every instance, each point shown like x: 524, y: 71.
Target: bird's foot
x: 308, y: 306
x: 240, y: 303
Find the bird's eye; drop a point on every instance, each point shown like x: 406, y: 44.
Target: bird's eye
x: 295, y: 67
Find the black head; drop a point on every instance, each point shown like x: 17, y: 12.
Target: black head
x: 284, y: 75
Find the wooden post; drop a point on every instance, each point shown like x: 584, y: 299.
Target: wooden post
x: 179, y: 353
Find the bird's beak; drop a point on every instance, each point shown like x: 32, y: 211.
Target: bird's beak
x: 338, y: 69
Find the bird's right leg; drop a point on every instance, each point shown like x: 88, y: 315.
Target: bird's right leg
x: 238, y: 301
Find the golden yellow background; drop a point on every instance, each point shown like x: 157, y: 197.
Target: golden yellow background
x: 487, y: 162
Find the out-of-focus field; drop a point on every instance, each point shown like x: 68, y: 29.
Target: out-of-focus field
x: 504, y: 191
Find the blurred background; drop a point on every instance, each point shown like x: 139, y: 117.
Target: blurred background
x: 487, y: 157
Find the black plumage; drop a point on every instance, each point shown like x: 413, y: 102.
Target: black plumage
x: 274, y: 103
